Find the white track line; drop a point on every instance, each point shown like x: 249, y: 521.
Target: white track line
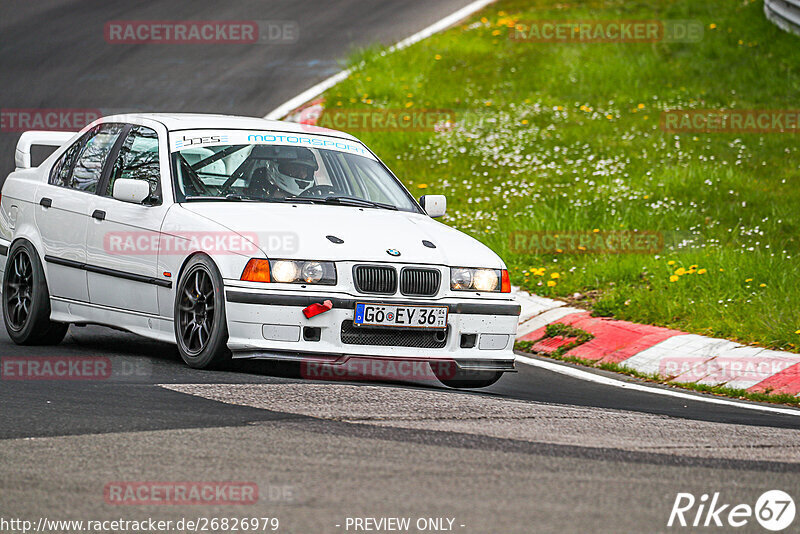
x: 606, y: 381
x: 294, y: 103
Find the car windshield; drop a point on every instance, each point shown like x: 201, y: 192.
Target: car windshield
x: 213, y: 166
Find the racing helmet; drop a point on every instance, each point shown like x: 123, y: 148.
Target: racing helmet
x: 291, y: 169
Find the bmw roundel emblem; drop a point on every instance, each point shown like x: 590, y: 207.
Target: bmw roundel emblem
x: 393, y: 252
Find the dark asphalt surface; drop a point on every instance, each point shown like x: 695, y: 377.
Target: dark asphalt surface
x: 53, y: 55
x: 134, y: 402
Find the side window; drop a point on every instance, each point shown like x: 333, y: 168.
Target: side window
x: 62, y: 170
x: 89, y: 166
x: 138, y: 160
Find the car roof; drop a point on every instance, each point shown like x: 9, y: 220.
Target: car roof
x: 203, y: 121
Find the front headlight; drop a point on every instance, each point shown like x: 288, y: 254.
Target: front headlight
x: 485, y: 280
x: 290, y: 271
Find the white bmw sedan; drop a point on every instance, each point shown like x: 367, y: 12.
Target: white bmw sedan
x: 245, y: 238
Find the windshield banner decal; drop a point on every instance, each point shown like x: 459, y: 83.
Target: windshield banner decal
x: 183, y: 140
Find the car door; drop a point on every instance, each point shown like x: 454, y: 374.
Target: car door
x: 63, y: 209
x: 122, y: 237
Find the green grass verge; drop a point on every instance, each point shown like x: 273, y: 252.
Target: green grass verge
x: 565, y: 137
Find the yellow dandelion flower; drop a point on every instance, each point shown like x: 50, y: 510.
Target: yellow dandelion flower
x: 797, y: 331
x: 673, y: 278
x: 671, y: 262
x: 437, y: 57
x: 496, y: 32
x: 596, y: 230
x: 555, y: 275
x: 721, y: 270
x: 550, y: 283
x: 524, y: 121
x: 702, y: 271
x: 409, y: 104
x: 762, y: 285
x: 712, y: 26
x: 640, y: 106
x: 680, y: 271
x: 749, y: 280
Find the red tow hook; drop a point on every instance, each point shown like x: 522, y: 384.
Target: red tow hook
x: 316, y: 309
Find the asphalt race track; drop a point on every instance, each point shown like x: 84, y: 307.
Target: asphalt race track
x: 537, y: 452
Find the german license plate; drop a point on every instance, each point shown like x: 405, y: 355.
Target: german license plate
x: 367, y: 314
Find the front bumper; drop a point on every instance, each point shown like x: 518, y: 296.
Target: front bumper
x: 271, y: 324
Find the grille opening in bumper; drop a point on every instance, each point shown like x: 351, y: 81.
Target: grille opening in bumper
x: 379, y: 279
x: 388, y: 337
x: 468, y: 341
x: 416, y: 282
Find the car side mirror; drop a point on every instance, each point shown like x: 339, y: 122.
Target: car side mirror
x: 434, y: 205
x: 134, y: 191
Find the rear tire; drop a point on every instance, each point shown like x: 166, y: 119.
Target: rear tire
x: 26, y: 300
x: 451, y: 375
x: 201, y: 328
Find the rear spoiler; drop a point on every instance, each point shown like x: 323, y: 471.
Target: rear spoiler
x: 22, y: 157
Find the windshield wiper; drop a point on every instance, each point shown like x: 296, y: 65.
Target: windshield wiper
x: 229, y: 196
x: 235, y: 197
x: 346, y: 201
x: 355, y: 201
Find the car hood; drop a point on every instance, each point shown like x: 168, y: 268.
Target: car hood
x: 300, y: 231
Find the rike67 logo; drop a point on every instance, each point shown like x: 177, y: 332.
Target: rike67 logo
x: 774, y: 510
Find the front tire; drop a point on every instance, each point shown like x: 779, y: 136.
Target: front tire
x: 451, y: 375
x: 201, y: 328
x: 26, y: 300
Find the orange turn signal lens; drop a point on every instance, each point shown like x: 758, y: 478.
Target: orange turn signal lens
x: 505, y: 284
x: 256, y: 270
